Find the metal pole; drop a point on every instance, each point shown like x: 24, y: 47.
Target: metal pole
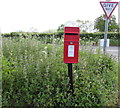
x: 108, y: 0
x: 70, y: 77
x: 119, y: 15
x: 105, y: 36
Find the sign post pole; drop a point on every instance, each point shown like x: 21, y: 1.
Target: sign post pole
x: 119, y: 15
x: 108, y: 8
x: 105, y: 35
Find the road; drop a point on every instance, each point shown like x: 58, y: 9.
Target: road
x: 112, y: 50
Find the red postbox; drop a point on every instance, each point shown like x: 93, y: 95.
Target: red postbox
x: 71, y: 44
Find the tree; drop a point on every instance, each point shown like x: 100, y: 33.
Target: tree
x: 85, y: 26
x: 33, y: 29
x: 61, y: 27
x: 99, y: 24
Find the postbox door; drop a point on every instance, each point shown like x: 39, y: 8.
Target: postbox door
x: 71, y: 52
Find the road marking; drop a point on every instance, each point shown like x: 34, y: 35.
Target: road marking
x: 112, y: 50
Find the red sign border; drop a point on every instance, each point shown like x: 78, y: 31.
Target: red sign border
x: 112, y: 10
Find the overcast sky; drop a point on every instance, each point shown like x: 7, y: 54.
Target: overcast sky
x: 45, y: 15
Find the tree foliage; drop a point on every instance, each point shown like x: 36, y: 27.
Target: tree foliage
x: 99, y: 24
x: 61, y: 27
x: 85, y: 26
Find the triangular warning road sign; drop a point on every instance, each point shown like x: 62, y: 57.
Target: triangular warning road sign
x: 108, y: 8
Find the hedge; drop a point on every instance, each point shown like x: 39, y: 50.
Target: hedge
x: 49, y: 37
x: 98, y: 35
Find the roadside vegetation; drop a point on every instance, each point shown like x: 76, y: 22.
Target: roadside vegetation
x: 33, y: 74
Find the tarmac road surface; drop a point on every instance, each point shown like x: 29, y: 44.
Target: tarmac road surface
x: 113, y: 51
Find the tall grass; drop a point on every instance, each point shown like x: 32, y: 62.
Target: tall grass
x: 33, y: 74
x: 0, y: 70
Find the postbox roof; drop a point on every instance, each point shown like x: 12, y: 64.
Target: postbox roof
x: 71, y: 30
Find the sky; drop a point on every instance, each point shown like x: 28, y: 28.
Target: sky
x: 46, y: 15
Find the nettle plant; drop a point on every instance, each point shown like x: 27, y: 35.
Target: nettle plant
x: 33, y: 74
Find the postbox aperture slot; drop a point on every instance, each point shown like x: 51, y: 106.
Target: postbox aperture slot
x: 71, y: 33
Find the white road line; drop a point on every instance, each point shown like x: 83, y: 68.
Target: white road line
x: 113, y: 50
